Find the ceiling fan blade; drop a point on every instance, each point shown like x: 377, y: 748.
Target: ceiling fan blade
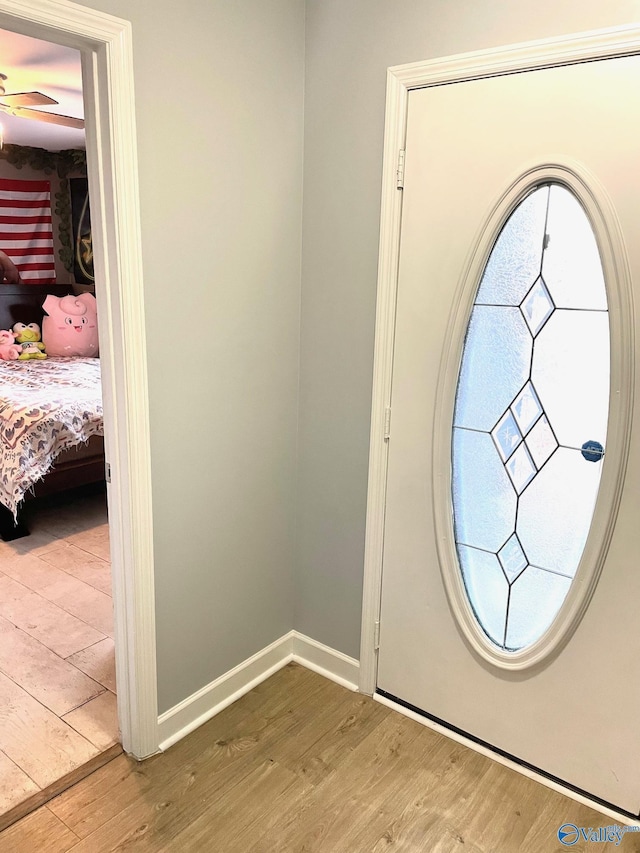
x: 28, y: 99
x: 50, y: 118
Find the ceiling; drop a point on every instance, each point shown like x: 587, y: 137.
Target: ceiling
x: 34, y: 65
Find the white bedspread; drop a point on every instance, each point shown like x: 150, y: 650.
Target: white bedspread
x: 45, y: 407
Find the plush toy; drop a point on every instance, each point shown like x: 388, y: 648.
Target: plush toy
x: 29, y: 339
x: 9, y: 349
x: 71, y: 327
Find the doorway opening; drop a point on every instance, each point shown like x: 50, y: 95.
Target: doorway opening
x: 104, y: 46
x: 57, y: 657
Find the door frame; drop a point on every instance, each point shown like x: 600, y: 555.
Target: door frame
x: 105, y: 44
x: 401, y: 79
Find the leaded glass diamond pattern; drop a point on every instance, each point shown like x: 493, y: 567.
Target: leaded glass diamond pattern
x: 526, y: 408
x: 541, y: 442
x: 512, y: 558
x: 521, y: 469
x: 534, y: 376
x: 524, y: 419
x: 506, y: 435
x: 537, y: 306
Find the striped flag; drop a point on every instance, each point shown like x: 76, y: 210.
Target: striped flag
x: 25, y: 229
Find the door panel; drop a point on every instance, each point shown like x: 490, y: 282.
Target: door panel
x: 574, y: 714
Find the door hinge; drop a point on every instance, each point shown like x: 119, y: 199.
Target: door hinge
x: 107, y: 472
x: 376, y: 635
x: 400, y: 170
x: 387, y: 423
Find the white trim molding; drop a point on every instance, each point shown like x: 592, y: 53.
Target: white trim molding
x: 106, y: 47
x: 547, y: 53
x: 205, y: 703
x: 324, y: 660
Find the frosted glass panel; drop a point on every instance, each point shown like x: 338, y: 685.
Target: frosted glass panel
x: 572, y: 268
x: 554, y: 513
x: 541, y: 442
x: 530, y: 419
x: 488, y: 520
x: 534, y: 600
x: 526, y: 408
x: 506, y: 435
x: 571, y: 374
x: 537, y: 307
x: 515, y: 261
x: 512, y: 558
x: 521, y: 469
x: 487, y: 589
x: 496, y: 364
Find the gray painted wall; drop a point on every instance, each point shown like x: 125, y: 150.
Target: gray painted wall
x: 219, y: 105
x: 349, y: 45
x: 219, y: 89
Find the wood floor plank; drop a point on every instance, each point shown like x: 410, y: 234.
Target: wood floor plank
x: 98, y: 662
x: 169, y: 827
x: 82, y: 565
x: 298, y: 766
x: 515, y: 797
x: 15, y: 785
x: 36, y: 739
x: 248, y: 804
x: 56, y: 684
x: 103, y: 795
x: 320, y: 821
x: 97, y: 720
x: 318, y: 750
x: 39, y: 832
x: 185, y: 821
x: 51, y: 625
x: 557, y: 810
x: 224, y: 746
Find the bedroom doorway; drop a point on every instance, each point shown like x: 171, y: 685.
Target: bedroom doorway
x: 104, y: 44
x: 57, y: 655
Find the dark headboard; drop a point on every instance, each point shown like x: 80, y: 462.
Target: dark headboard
x: 22, y: 303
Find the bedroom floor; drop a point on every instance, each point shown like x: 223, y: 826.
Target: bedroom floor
x: 57, y: 670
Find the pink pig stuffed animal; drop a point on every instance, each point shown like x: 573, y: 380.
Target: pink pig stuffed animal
x: 9, y: 350
x: 71, y: 327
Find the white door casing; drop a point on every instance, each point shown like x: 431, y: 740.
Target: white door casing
x: 105, y: 44
x: 401, y: 81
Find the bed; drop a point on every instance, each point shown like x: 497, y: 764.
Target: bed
x: 51, y: 422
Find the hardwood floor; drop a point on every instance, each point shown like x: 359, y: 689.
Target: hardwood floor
x: 57, y: 670
x: 301, y: 765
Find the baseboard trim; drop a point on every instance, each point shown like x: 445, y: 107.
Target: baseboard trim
x: 205, y: 703
x: 326, y: 661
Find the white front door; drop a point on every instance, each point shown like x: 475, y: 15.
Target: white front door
x: 546, y: 670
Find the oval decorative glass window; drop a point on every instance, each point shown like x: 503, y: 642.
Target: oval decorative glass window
x: 530, y: 418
